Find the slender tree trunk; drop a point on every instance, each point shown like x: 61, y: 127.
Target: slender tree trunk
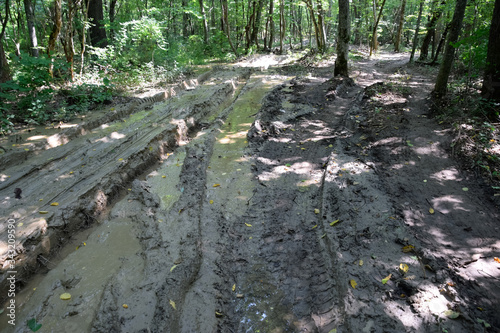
x: 400, y: 27
x: 85, y: 14
x: 69, y: 49
x: 97, y: 30
x: 431, y: 26
x: 204, y: 19
x: 415, y: 38
x: 321, y: 24
x: 342, y: 40
x: 256, y: 23
x: 56, y: 29
x: 282, y: 24
x: 30, y: 20
x: 185, y: 19
x: 491, y: 82
x: 449, y: 52
x: 440, y: 45
x: 226, y: 26
x: 4, y: 65
x: 374, y: 45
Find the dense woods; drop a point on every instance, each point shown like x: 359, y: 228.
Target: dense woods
x: 86, y: 49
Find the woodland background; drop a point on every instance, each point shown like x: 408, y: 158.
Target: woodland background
x: 59, y: 58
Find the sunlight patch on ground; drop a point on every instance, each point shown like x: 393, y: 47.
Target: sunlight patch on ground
x: 56, y: 140
x: 447, y: 174
x: 448, y: 203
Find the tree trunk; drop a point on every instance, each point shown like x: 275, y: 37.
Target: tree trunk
x: 491, y: 82
x: 441, y: 43
x: 449, y: 52
x: 97, y: 31
x: 69, y: 49
x: 85, y: 14
x: 4, y: 65
x: 282, y: 24
x: 415, y: 38
x: 374, y: 45
x: 256, y: 23
x: 204, y: 19
x: 30, y: 20
x: 56, y: 29
x: 431, y: 26
x: 226, y: 26
x: 342, y: 40
x: 185, y: 19
x: 321, y: 24
x: 400, y: 27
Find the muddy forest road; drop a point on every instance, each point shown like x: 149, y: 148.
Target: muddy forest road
x: 254, y: 200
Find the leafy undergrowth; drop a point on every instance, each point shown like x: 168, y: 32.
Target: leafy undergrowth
x: 476, y: 130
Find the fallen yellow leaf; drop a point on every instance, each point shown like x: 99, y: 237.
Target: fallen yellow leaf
x: 163, y: 176
x: 316, y: 211
x: 65, y: 296
x: 125, y: 306
x: 353, y: 283
x: 234, y: 287
x: 216, y: 185
x: 497, y: 260
x: 431, y: 210
x: 360, y: 262
x: 43, y: 212
x: 404, y: 268
x: 315, y: 226
x: 386, y: 279
x: 55, y: 204
x: 248, y: 224
x: 408, y: 248
x: 173, y: 304
x: 211, y: 202
x: 334, y: 222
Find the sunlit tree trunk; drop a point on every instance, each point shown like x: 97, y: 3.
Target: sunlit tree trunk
x: 69, y: 49
x: 185, y: 19
x: 97, y: 30
x: 85, y: 14
x: 282, y: 24
x: 226, y: 26
x: 415, y: 37
x: 397, y: 42
x: 374, y: 44
x: 449, y: 52
x: 342, y: 40
x: 441, y: 43
x: 30, y: 21
x: 204, y: 19
x: 491, y: 82
x: 56, y: 29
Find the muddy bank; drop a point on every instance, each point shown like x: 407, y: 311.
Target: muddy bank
x: 287, y: 201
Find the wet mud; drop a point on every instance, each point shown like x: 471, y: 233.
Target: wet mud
x: 268, y: 199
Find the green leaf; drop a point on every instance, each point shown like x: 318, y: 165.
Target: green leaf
x: 33, y: 325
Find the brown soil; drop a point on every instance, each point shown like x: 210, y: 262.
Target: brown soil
x: 268, y: 199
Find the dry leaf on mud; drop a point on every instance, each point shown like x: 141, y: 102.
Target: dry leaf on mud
x: 234, y: 287
x: 360, y: 262
x: 211, y: 202
x: 315, y: 226
x: 408, y: 248
x: 353, y: 283
x: 43, y: 212
x: 403, y: 268
x: 173, y: 304
x: 216, y: 185
x: 55, y: 204
x: 497, y: 260
x: 431, y: 210
x: 248, y: 224
x: 218, y: 314
x: 386, y: 279
x: 316, y: 211
x: 65, y: 296
x: 173, y: 267
x: 125, y: 306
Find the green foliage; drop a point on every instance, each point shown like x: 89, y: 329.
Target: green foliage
x: 33, y: 325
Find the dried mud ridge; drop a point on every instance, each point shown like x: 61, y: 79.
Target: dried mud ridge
x: 266, y: 202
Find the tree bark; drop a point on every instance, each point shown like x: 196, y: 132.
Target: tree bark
x: 342, y: 40
x: 400, y: 27
x: 440, y: 45
x: 491, y: 82
x: 415, y: 38
x: 204, y: 20
x: 56, y: 29
x: 69, y: 49
x: 449, y: 52
x: 97, y: 31
x: 282, y: 24
x: 226, y: 26
x: 431, y: 27
x: 4, y: 65
x: 30, y: 21
x: 374, y: 45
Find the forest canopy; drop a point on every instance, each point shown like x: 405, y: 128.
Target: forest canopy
x: 85, y: 50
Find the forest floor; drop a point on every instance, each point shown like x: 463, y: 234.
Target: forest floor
x: 261, y: 197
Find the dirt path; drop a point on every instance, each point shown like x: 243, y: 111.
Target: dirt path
x: 268, y: 200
